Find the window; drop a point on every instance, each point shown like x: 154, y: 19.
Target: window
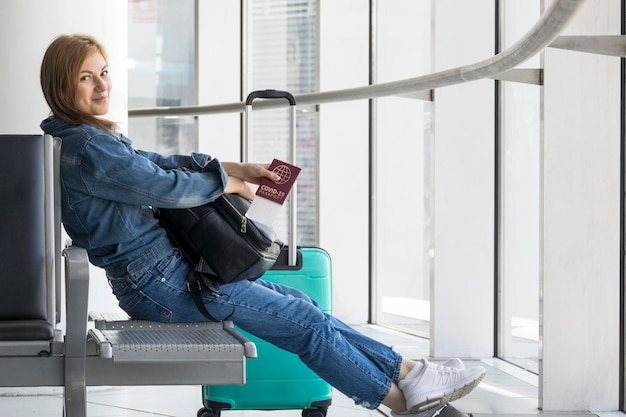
x: 161, y: 72
x: 282, y: 51
x: 402, y: 146
x: 519, y: 198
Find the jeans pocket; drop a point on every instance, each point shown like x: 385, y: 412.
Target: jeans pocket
x: 121, y: 287
x: 166, y: 265
x: 143, y: 307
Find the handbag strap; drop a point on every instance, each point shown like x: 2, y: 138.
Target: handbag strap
x: 193, y: 285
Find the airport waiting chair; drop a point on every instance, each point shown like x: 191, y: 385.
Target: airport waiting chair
x: 35, y: 349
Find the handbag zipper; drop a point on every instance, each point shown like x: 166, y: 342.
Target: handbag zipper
x: 243, y: 226
x: 256, y: 237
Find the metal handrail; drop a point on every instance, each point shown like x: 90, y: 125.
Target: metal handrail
x: 547, y: 28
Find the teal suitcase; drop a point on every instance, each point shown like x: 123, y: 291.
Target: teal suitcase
x: 277, y: 379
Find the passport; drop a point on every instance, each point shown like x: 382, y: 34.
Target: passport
x: 271, y: 195
x: 278, y: 191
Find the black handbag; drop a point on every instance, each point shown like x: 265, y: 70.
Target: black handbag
x: 220, y: 242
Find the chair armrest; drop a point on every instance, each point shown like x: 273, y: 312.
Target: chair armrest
x: 76, y: 300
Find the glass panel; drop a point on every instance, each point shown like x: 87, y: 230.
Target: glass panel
x: 161, y: 72
x: 520, y: 226
x: 519, y: 196
x: 282, y: 54
x: 403, y: 180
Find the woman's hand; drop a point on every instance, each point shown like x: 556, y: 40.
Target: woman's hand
x: 238, y: 186
x: 239, y: 174
x: 252, y: 173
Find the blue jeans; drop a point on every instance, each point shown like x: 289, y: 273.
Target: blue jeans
x: 353, y: 363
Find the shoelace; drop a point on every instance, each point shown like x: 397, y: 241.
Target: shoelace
x: 446, y: 375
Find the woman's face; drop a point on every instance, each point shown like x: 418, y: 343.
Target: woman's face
x: 94, y: 86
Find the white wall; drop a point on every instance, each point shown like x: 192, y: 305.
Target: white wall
x: 25, y: 36
x: 28, y: 27
x: 581, y: 211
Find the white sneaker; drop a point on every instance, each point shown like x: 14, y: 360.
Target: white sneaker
x: 454, y: 363
x: 437, y: 385
x: 435, y: 411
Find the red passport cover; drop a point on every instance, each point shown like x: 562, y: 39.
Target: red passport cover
x: 278, y: 191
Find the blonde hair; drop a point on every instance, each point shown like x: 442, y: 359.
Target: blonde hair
x: 60, y: 72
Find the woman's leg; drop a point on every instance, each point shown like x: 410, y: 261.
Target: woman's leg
x: 376, y: 351
x: 395, y: 399
x: 290, y: 320
x: 358, y: 366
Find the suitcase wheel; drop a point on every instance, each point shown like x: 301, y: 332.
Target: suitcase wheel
x: 307, y: 412
x: 314, y: 412
x: 214, y: 412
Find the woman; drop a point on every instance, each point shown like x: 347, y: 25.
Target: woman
x: 107, y: 189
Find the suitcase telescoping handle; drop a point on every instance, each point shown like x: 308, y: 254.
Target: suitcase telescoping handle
x: 269, y: 94
x: 291, y: 157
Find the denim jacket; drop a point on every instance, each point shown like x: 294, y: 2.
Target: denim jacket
x: 108, y: 188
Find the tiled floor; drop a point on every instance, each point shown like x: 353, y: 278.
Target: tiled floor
x: 500, y: 393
